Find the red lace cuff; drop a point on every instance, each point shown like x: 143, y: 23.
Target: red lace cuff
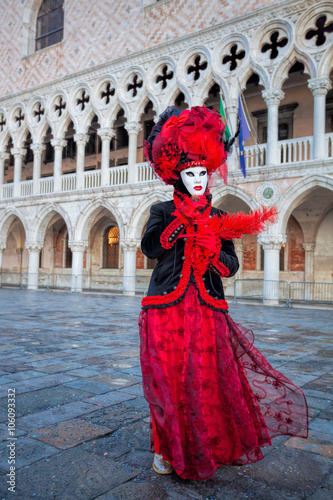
x: 171, y: 233
x: 218, y: 268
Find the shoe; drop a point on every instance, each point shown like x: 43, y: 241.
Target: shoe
x: 161, y: 466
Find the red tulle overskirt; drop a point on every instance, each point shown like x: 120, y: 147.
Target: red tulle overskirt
x: 214, y: 398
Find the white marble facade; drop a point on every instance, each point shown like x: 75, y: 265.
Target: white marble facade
x: 54, y: 206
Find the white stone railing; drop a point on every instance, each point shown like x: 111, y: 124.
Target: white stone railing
x: 68, y: 182
x: 296, y: 150
x: 255, y: 156
x: 46, y: 185
x: 144, y: 173
x: 118, y: 175
x: 26, y: 188
x: 329, y: 145
x: 92, y: 179
x: 7, y: 191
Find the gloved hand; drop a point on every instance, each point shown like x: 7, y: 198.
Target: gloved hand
x: 206, y: 240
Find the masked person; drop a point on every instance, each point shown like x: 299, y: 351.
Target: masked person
x: 214, y: 398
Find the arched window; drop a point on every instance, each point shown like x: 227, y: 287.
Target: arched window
x: 111, y: 248
x: 50, y: 23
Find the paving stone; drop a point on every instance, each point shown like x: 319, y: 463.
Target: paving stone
x: 85, y: 372
x: 44, y: 399
x: 38, y: 383
x: 109, y: 399
x: 134, y: 389
x: 321, y: 425
x: 116, y: 416
x: 135, y: 491
x: 321, y: 404
x: 139, y: 459
x: 27, y: 451
x: 317, y: 442
x: 72, y: 474
x: 54, y: 415
x: 70, y: 433
x: 116, y: 381
x: 25, y: 375
x: 89, y: 385
x: 5, y: 435
x: 109, y: 446
x: 136, y: 435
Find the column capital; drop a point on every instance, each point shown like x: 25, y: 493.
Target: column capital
x: 272, y: 241
x: 106, y: 133
x: 58, y: 143
x: 37, y: 148
x: 78, y: 246
x: 3, y: 247
x: 4, y: 155
x: 133, y: 127
x: 320, y: 86
x: 309, y: 247
x: 18, y: 152
x: 33, y: 246
x: 238, y: 246
x: 81, y: 139
x: 273, y: 97
x: 130, y: 244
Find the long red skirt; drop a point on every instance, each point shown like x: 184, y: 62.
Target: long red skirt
x: 214, y: 398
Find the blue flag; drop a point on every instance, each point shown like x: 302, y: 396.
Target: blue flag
x: 244, y: 132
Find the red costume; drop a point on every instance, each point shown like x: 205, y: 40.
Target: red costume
x: 214, y: 398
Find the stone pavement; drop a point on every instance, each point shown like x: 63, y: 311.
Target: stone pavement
x: 82, y: 424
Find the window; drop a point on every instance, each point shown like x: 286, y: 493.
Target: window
x: 50, y: 23
x: 111, y: 248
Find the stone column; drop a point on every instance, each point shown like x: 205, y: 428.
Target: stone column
x: 78, y: 248
x: 38, y: 150
x: 34, y: 251
x: 233, y: 163
x: 58, y: 145
x: 271, y: 244
x: 19, y: 253
x: 106, y: 134
x: 309, y: 269
x: 319, y: 88
x: 239, y: 276
x: 133, y: 128
x: 129, y: 247
x: 2, y: 249
x: 272, y: 98
x: 19, y: 154
x: 3, y: 157
x: 81, y: 141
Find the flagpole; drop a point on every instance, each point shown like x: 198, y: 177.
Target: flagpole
x: 249, y: 119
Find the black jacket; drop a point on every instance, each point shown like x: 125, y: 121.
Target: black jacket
x: 167, y: 274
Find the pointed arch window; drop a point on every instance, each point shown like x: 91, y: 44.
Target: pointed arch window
x: 50, y: 23
x: 111, y: 248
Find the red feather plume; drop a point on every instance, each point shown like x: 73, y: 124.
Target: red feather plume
x: 235, y: 225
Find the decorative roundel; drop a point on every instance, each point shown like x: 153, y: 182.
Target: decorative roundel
x: 314, y: 30
x: 58, y: 107
x: 268, y: 193
x: 272, y: 42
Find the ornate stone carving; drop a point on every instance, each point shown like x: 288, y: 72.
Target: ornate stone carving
x: 268, y: 193
x: 309, y: 247
x: 81, y: 139
x: 18, y: 152
x: 130, y: 245
x: 106, y: 133
x: 37, y: 148
x: 133, y: 127
x: 273, y: 97
x: 320, y: 86
x: 58, y: 143
x: 272, y: 241
x: 78, y: 246
x: 33, y: 246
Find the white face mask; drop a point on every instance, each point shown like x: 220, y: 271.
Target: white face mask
x: 195, y: 180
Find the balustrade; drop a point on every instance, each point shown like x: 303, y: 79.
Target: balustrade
x: 68, y: 182
x: 92, y: 179
x: 26, y: 188
x: 46, y: 185
x: 118, y: 175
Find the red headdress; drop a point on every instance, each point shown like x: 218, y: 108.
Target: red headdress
x: 184, y: 139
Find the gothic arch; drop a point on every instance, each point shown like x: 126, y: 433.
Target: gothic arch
x: 141, y: 213
x: 87, y: 215
x: 8, y: 218
x: 43, y: 219
x: 222, y: 191
x: 295, y: 195
x: 281, y: 71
